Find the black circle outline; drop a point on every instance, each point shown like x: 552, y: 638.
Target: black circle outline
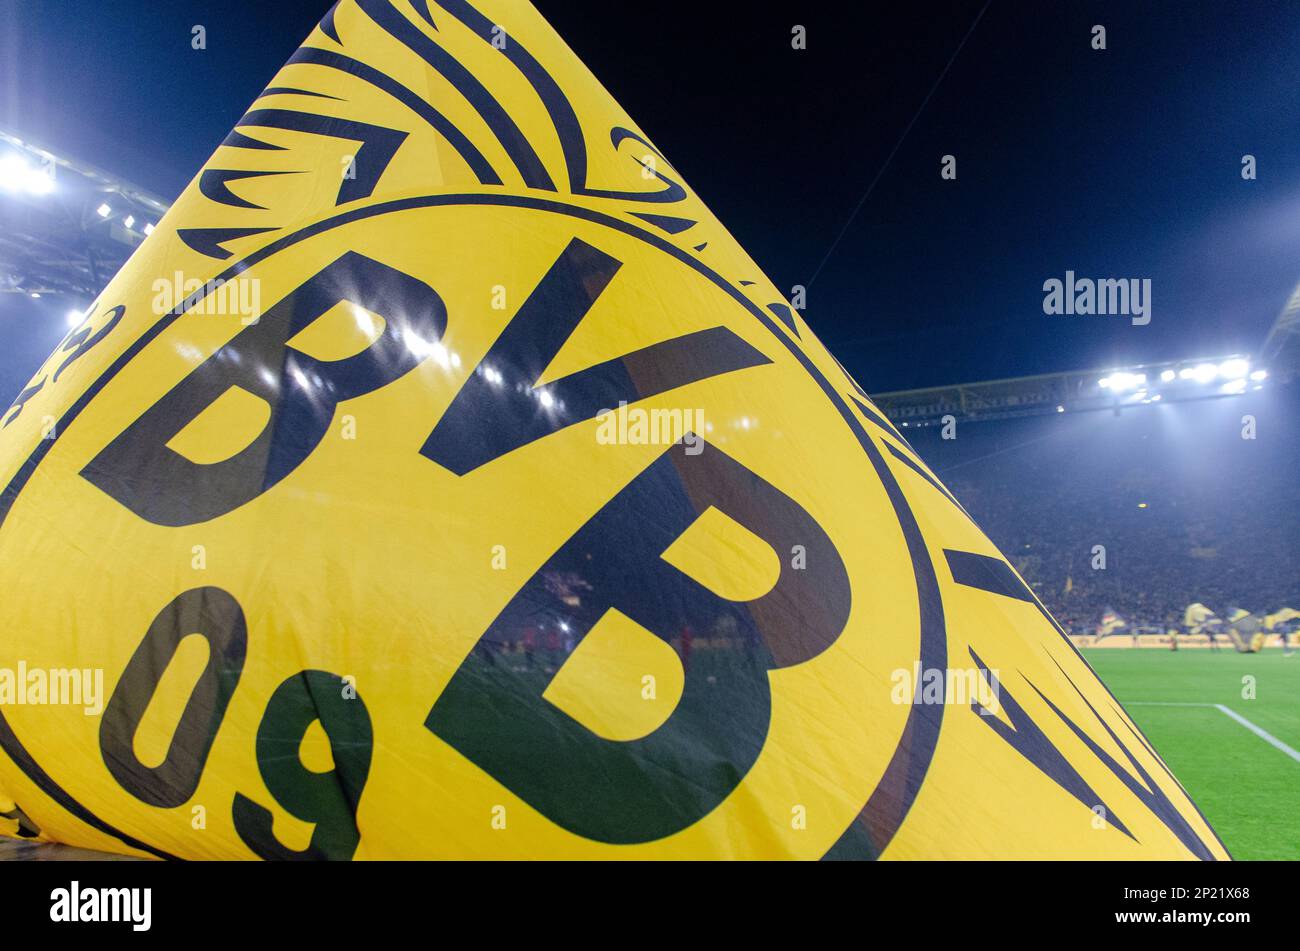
x: 898, y: 787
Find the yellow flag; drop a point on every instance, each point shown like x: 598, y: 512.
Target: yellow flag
x: 1280, y: 616
x: 441, y: 479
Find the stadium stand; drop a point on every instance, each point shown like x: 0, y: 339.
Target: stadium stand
x: 66, y: 227
x: 1186, y: 508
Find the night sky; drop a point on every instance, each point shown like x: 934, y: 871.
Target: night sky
x: 1117, y: 163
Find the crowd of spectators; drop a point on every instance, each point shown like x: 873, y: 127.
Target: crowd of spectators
x: 1140, y: 514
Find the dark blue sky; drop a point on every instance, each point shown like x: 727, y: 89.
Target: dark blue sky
x: 1122, y: 163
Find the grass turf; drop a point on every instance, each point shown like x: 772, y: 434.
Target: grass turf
x: 1247, y: 789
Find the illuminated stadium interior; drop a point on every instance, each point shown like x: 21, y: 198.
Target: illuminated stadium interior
x: 329, y: 545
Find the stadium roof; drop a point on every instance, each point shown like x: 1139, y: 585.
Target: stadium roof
x: 66, y: 227
x: 1075, y: 391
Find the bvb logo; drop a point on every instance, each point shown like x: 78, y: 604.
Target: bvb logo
x: 477, y: 429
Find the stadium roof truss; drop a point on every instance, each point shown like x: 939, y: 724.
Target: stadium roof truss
x: 1075, y: 391
x: 65, y: 227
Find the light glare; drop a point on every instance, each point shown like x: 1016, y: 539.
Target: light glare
x: 1234, y: 369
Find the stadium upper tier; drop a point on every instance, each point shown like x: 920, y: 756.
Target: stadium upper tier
x: 1080, y: 390
x: 65, y: 227
x: 1188, y: 501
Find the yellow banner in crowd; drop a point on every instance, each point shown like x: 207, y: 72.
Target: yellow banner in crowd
x: 441, y: 479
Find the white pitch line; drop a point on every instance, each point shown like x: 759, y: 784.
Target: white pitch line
x: 1264, y: 735
x: 1260, y: 732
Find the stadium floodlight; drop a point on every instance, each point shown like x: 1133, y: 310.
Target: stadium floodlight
x: 17, y: 174
x: 104, y: 210
x: 1234, y: 369
x: 1259, y: 376
x: 1234, y: 386
x: 1167, y: 376
x: 1120, y: 381
x: 129, y: 221
x: 1205, y: 373
x: 148, y: 228
x: 1060, y: 409
x: 36, y: 295
x: 74, y: 318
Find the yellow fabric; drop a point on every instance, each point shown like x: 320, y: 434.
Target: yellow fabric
x: 381, y: 568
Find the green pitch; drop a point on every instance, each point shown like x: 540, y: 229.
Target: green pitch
x: 1248, y: 789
